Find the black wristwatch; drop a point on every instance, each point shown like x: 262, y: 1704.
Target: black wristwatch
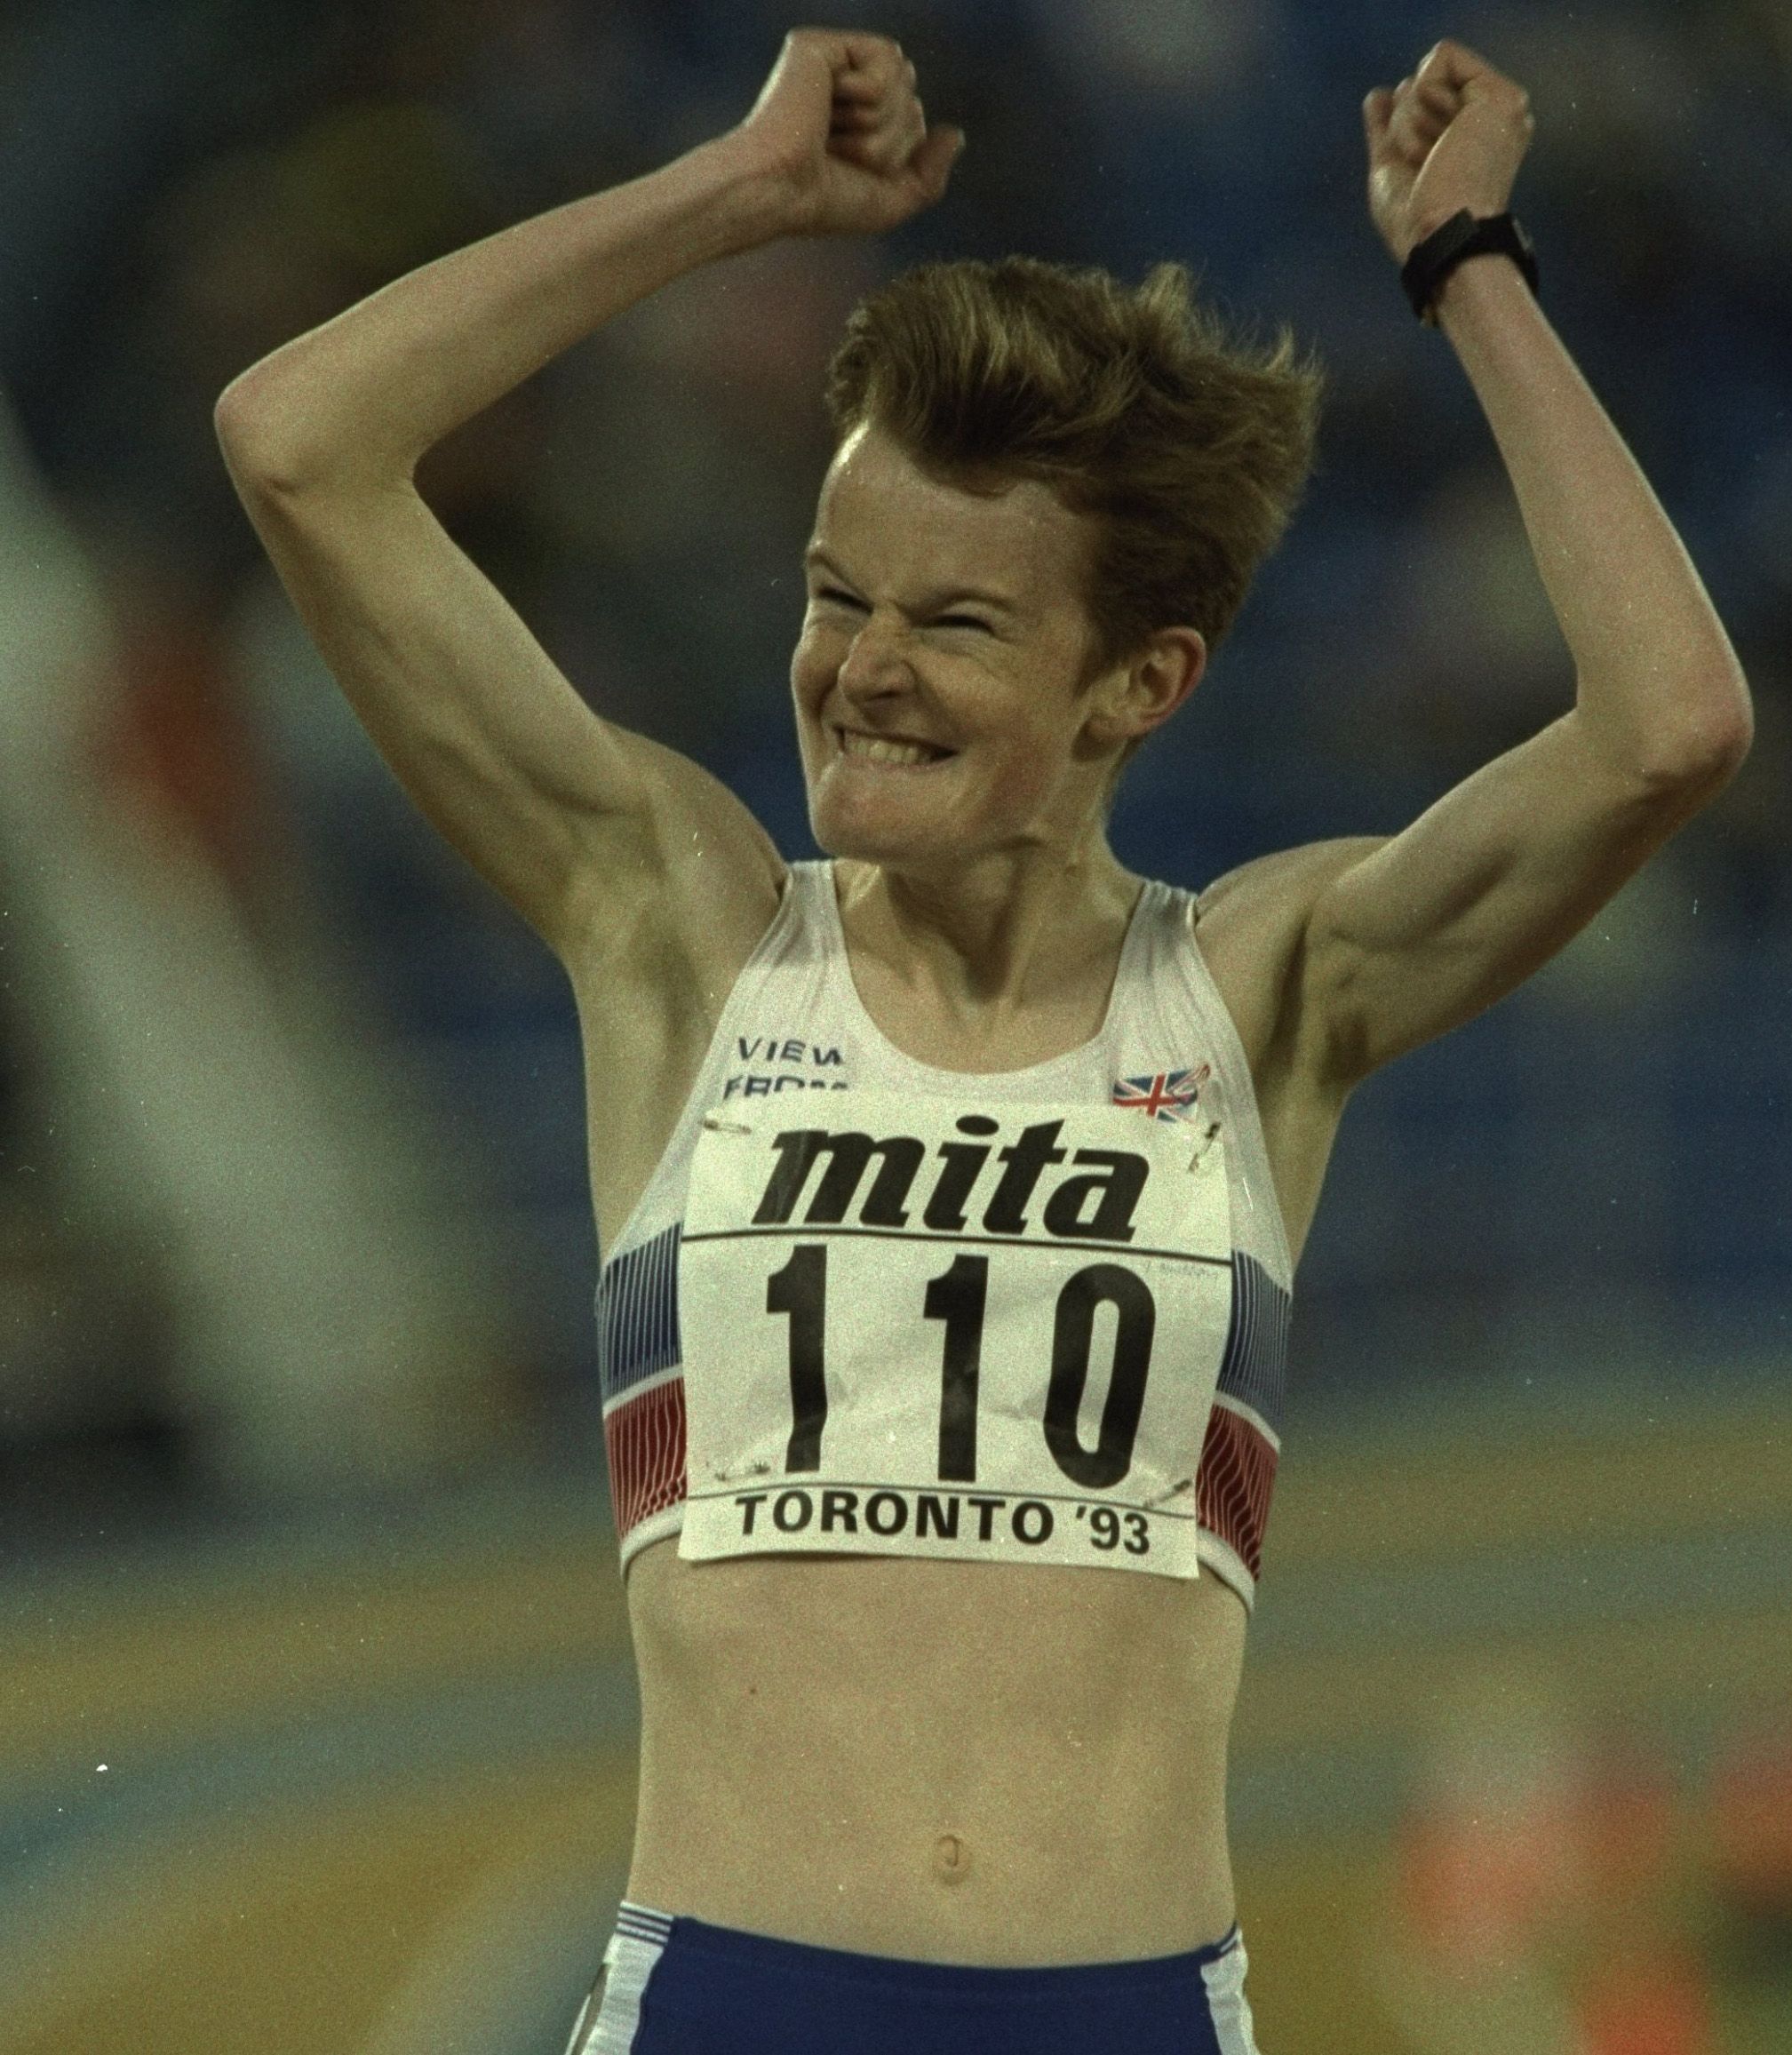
x: 1463, y: 235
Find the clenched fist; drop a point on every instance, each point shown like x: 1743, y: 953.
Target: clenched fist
x: 840, y: 136
x: 1451, y: 136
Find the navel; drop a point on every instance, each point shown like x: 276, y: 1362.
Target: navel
x: 951, y: 1858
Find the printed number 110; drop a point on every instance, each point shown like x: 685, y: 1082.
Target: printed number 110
x: 956, y: 1299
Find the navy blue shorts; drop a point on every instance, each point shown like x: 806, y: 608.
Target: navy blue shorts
x: 677, y: 1986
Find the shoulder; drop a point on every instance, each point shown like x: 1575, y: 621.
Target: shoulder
x: 1251, y: 926
x: 1287, y: 882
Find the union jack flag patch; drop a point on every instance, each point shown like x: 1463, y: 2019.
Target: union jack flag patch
x: 1165, y: 1096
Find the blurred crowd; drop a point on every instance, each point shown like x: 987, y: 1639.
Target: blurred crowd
x: 291, y: 1118
x: 1559, y: 1889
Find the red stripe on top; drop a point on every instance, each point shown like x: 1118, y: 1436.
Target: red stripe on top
x: 645, y: 1441
x: 1232, y: 1487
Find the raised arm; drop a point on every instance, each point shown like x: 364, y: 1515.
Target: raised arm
x: 562, y: 811
x: 1406, y: 938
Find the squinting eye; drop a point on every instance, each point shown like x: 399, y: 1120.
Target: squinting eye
x: 832, y: 595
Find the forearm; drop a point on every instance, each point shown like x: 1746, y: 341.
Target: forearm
x: 361, y: 397
x: 1658, y: 679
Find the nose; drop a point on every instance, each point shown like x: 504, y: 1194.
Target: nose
x: 876, y: 660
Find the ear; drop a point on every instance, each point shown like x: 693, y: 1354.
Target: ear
x: 1142, y: 694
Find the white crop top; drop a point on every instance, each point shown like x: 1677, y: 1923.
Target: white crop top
x: 793, y: 1025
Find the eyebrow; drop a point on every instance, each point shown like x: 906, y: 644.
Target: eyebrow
x: 815, y: 557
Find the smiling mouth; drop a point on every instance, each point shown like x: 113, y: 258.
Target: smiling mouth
x: 888, y: 752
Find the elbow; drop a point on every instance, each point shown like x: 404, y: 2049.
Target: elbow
x: 258, y: 454
x: 1690, y: 759
x: 1712, y: 749
x: 277, y: 441
x: 242, y: 413
x: 1737, y: 739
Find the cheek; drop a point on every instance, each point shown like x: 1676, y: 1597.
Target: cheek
x: 1023, y: 778
x: 1029, y: 761
x: 813, y: 663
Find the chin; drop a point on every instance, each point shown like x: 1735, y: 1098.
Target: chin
x: 864, y: 843
x: 876, y: 834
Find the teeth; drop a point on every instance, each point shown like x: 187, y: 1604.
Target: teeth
x: 879, y: 749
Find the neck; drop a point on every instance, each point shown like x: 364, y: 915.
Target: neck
x: 993, y: 936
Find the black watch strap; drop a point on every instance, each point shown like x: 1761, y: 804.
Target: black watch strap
x: 1463, y: 235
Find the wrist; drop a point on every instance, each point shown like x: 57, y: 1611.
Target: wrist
x: 756, y: 203
x: 1458, y: 240
x: 1423, y: 229
x: 1489, y: 278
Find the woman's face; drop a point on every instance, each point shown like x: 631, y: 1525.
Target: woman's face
x: 953, y: 620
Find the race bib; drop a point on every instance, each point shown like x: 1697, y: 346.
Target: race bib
x: 912, y: 1329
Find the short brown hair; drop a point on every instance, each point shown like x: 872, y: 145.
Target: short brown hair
x: 1190, y: 447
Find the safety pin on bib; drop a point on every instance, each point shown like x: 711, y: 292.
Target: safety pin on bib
x: 1186, y: 1484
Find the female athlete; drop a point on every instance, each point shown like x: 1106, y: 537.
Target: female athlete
x: 950, y: 1191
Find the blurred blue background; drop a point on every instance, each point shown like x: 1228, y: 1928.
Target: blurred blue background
x: 1596, y: 1174
x: 293, y: 1209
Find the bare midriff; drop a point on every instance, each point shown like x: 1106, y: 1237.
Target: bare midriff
x: 987, y: 1764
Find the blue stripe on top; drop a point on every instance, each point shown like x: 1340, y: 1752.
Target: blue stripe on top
x: 1255, y: 1369
x: 637, y: 1313
x: 637, y: 1325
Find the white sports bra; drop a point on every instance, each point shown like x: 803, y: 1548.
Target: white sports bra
x: 793, y: 1027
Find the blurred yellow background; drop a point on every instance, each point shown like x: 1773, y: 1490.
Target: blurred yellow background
x: 369, y: 1784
